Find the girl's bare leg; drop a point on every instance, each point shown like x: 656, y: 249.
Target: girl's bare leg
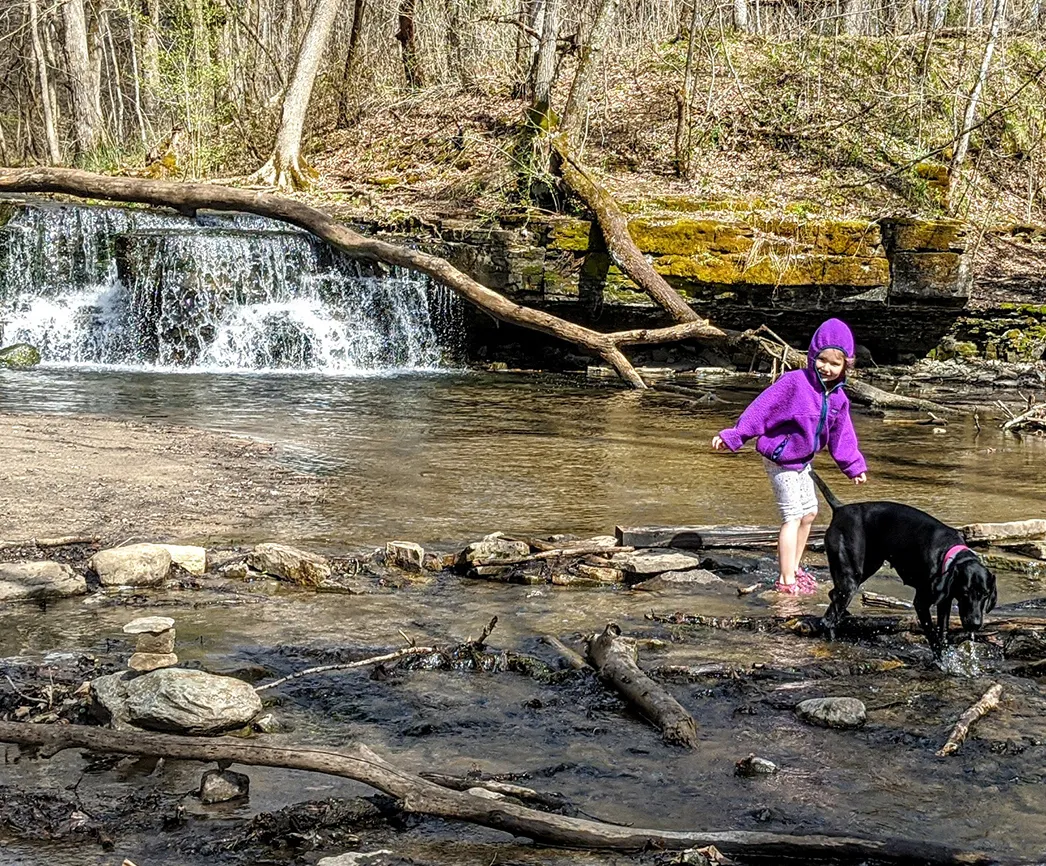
x: 802, y: 536
x: 787, y: 543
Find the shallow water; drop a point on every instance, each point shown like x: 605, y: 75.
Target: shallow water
x: 445, y: 458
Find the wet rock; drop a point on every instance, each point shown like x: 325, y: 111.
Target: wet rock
x: 133, y: 565
x: 405, y: 554
x: 600, y: 573
x: 678, y: 579
x: 41, y: 580
x: 19, y: 355
x: 190, y: 557
x: 439, y: 561
x: 381, y: 857
x: 269, y: 724
x: 220, y: 786
x: 754, y: 766
x: 832, y: 712
x: 492, y: 550
x: 235, y: 570
x: 190, y: 702
x: 656, y: 561
x: 725, y: 563
x: 289, y: 563
x: 143, y: 662
x: 109, y: 700
x: 155, y: 643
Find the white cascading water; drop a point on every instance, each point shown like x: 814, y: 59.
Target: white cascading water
x: 107, y: 286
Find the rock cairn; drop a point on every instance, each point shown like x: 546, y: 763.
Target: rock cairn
x: 155, y: 645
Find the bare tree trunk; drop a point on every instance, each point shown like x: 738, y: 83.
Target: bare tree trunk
x: 684, y: 99
x: 545, y: 67
x: 349, y: 73
x: 408, y: 42
x: 87, y: 121
x: 577, y: 101
x: 851, y: 23
x: 53, y: 148
x: 527, y: 33
x: 963, y: 144
x: 286, y: 168
x: 740, y: 16
x: 151, y: 57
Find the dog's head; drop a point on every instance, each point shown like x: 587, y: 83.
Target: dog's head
x: 973, y: 587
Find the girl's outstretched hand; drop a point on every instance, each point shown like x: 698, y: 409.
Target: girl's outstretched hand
x: 860, y: 479
x: 717, y: 443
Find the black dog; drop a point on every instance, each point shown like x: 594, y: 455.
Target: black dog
x: 927, y: 555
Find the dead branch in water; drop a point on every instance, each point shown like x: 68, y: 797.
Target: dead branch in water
x: 988, y: 702
x: 614, y: 657
x: 422, y: 797
x: 406, y: 652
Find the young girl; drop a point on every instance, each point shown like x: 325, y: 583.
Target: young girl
x: 794, y: 418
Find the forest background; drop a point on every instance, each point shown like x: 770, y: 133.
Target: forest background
x: 394, y: 108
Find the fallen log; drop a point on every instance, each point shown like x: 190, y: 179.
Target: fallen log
x: 874, y: 599
x: 614, y: 659
x: 704, y: 537
x: 988, y: 702
x: 422, y: 797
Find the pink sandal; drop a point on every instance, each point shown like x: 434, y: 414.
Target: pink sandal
x: 806, y: 581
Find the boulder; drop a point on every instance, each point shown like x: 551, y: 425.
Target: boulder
x: 491, y: 550
x: 39, y: 580
x: 190, y: 702
x: 832, y: 712
x: 405, y: 554
x: 220, y: 786
x: 109, y: 700
x: 133, y: 565
x: 290, y: 564
x: 190, y: 557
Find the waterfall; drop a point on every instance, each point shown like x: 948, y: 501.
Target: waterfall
x: 137, y: 288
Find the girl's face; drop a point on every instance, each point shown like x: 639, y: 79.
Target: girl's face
x: 831, y: 364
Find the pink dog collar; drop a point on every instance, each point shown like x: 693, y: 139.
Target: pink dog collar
x: 953, y: 552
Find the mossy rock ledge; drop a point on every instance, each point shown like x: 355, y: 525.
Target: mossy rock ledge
x: 905, y: 280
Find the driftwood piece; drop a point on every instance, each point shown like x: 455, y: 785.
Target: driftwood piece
x: 573, y: 658
x: 345, y: 666
x: 419, y: 796
x: 614, y: 657
x: 704, y: 537
x: 985, y: 533
x: 874, y: 599
x: 988, y: 702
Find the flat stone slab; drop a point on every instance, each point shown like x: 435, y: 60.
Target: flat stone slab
x: 679, y: 579
x: 39, y: 580
x: 149, y: 625
x: 656, y: 561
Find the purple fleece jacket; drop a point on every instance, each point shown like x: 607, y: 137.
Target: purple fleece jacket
x: 798, y: 415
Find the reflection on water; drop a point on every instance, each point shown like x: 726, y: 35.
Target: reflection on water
x: 444, y: 457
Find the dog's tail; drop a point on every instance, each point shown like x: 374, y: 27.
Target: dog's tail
x: 829, y: 497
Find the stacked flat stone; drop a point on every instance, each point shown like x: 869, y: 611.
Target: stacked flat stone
x: 155, y: 646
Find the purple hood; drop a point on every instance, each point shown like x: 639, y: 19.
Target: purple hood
x: 799, y: 415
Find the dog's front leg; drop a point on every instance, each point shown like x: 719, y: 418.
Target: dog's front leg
x: 944, y: 613
x: 922, y: 610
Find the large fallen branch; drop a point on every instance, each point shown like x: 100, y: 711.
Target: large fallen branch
x: 614, y: 658
x: 420, y: 796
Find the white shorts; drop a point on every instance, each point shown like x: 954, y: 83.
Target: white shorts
x: 793, y: 490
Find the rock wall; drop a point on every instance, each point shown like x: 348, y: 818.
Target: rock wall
x: 902, y: 283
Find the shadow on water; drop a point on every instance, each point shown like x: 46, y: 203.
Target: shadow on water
x: 445, y: 458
